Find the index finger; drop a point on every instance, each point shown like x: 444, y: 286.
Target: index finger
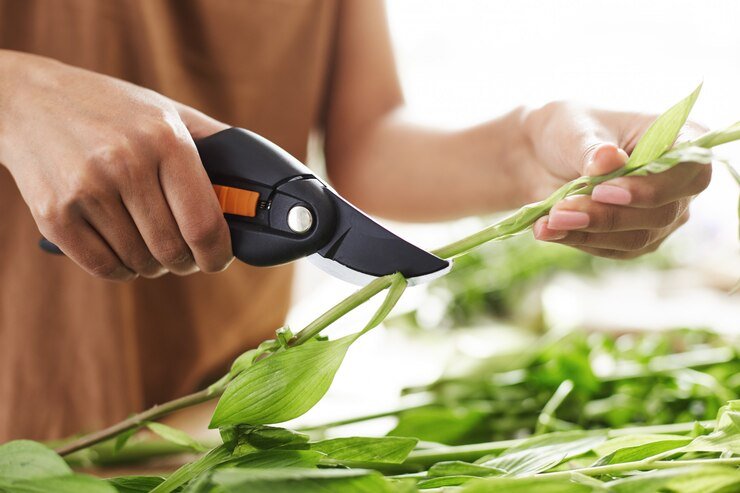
x: 683, y: 180
x: 190, y: 196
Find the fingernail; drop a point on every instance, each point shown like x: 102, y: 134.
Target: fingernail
x: 623, y: 154
x: 610, y: 194
x: 542, y: 232
x: 567, y: 220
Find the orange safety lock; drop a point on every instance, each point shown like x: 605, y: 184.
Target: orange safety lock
x: 237, y: 201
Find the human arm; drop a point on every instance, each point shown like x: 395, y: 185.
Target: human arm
x: 109, y: 170
x: 393, y: 167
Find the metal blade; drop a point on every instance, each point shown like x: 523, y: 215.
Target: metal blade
x: 361, y: 250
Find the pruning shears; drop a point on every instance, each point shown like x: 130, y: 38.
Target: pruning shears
x: 279, y: 211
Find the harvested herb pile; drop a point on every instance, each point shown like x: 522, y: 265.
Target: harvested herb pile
x: 556, y: 387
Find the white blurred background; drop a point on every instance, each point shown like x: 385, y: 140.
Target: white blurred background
x: 464, y: 61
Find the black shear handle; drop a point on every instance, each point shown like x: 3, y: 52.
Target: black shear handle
x: 276, y: 208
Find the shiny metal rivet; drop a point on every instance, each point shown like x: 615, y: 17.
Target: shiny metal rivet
x: 300, y: 219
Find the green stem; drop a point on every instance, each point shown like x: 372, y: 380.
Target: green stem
x: 310, y: 331
x: 137, y: 420
x: 342, y: 308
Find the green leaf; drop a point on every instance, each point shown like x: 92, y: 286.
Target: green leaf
x: 302, y: 480
x: 216, y: 456
x: 526, y: 485
x: 443, y: 481
x: 24, y: 459
x: 282, y: 386
x: 459, y: 468
x: 544, y: 452
x: 694, y: 479
x: 691, y: 154
x: 631, y: 448
x: 245, y: 438
x: 135, y: 484
x: 384, y: 450
x: 277, y: 459
x: 726, y: 435
x: 662, y: 133
x: 178, y: 437
x: 62, y: 484
x: 244, y: 361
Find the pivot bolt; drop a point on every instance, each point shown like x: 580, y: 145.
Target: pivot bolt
x: 300, y: 219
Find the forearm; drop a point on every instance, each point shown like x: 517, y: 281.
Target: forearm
x: 399, y: 169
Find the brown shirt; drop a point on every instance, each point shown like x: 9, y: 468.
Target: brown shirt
x: 77, y: 353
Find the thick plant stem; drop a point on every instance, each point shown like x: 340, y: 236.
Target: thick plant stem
x: 135, y: 421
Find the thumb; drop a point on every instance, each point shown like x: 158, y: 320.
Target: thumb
x: 603, y: 158
x: 199, y: 124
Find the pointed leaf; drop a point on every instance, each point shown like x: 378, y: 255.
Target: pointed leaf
x: 459, y: 468
x: 63, y: 484
x: 662, y: 133
x: 276, y: 459
x: 631, y: 448
x: 544, y: 452
x: 178, y: 437
x: 282, y: 386
x: 694, y: 479
x: 24, y: 459
x: 726, y: 435
x: 385, y: 450
x: 135, y: 484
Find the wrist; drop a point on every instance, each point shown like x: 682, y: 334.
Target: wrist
x: 19, y: 74
x: 503, y: 151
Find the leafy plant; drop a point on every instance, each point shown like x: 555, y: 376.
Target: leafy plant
x: 285, y: 377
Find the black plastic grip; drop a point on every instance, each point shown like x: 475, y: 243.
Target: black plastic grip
x: 239, y: 158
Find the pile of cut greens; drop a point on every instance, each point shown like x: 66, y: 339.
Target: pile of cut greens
x: 557, y: 392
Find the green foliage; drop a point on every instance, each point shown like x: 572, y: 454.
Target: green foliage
x: 135, y: 484
x: 24, y: 459
x: 383, y: 450
x: 303, y: 480
x: 652, y: 378
x: 662, y: 134
x: 544, y: 452
x: 556, y: 390
x: 283, y: 386
x: 178, y: 437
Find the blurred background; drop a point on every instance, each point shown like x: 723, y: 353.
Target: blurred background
x: 602, y: 343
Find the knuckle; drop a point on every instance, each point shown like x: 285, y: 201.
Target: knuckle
x: 204, y: 235
x: 172, y: 253
x: 702, y: 180
x: 161, y: 132
x: 669, y: 215
x: 609, y: 218
x: 638, y: 240
x: 109, y: 157
x: 612, y: 254
x: 107, y: 269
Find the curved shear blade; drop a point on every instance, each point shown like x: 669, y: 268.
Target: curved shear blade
x: 361, y: 250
